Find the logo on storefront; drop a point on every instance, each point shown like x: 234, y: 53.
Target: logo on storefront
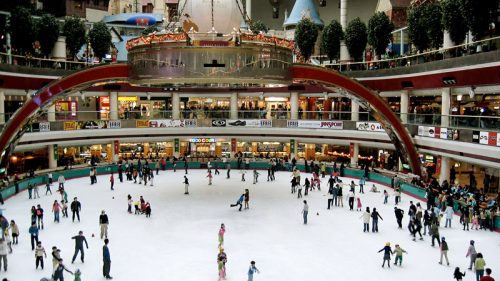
x: 218, y: 123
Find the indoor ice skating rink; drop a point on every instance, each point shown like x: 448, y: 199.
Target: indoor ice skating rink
x: 179, y: 241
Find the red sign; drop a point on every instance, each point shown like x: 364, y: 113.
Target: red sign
x: 351, y: 149
x: 492, y: 138
x: 116, y: 145
x: 142, y: 21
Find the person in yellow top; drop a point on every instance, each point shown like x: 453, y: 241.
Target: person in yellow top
x: 479, y: 265
x: 398, y: 251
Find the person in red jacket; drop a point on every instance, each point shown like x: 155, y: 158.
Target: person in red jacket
x: 488, y: 276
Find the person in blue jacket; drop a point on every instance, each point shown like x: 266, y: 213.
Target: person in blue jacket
x: 106, y: 259
x: 240, y: 200
x: 387, y: 254
x: 33, y: 230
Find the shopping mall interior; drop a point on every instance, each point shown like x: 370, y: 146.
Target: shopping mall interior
x: 196, y: 83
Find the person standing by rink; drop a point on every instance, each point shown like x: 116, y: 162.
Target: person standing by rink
x: 186, y: 185
x: 398, y: 251
x: 79, y: 239
x: 222, y: 231
x: 209, y: 176
x: 305, y: 211
x: 252, y: 270
x: 387, y: 254
x: 444, y: 251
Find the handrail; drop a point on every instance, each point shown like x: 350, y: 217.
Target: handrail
x: 407, y: 57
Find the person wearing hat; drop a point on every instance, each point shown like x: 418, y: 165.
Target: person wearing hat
x: 79, y: 239
x: 387, y: 254
x: 103, y: 223
x: 444, y: 251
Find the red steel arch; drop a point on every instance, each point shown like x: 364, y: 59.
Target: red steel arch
x: 382, y: 112
x: 15, y: 127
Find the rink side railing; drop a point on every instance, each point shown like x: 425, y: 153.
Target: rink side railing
x: 41, y: 179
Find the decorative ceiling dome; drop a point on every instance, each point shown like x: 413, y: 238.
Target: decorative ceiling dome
x: 301, y: 9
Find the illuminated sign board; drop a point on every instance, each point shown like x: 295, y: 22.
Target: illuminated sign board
x: 202, y: 140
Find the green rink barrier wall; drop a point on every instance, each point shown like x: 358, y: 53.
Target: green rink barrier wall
x: 107, y: 169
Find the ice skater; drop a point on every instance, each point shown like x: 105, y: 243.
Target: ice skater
x: 444, y: 251
x: 359, y: 206
x: 209, y: 176
x: 375, y: 217
x: 255, y: 176
x: 350, y: 197
x: 243, y: 172
x: 222, y: 231
x: 307, y: 184
x: 39, y: 216
x: 251, y: 270
x: 247, y: 198
x: 56, y: 208
x: 112, y: 181
x: 471, y: 252
x: 186, y: 185
x: 386, y: 196
x: 366, y: 220
x: 240, y: 200
x: 305, y: 211
x: 76, y: 207
x: 228, y: 166
x: 399, y: 216
x: 103, y: 223
x: 398, y: 251
x: 39, y: 254
x: 59, y: 271
x: 458, y: 275
x: 106, y: 268
x: 79, y: 239
x: 387, y: 254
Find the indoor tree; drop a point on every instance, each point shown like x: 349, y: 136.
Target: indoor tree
x: 379, y: 32
x: 433, y: 14
x: 47, y: 33
x: 453, y: 21
x: 356, y: 38
x: 306, y: 34
x: 74, y: 30
x: 330, y: 39
x: 21, y: 29
x: 100, y: 38
x: 477, y: 15
x: 417, y: 27
x: 258, y: 26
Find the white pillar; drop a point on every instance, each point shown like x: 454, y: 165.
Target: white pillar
x: 294, y: 105
x: 59, y: 49
x: 51, y: 113
x: 447, y: 43
x: 249, y: 8
x: 354, y: 156
x: 113, y: 106
x: 2, y: 107
x: 445, y: 107
x: 403, y: 106
x: 344, y: 52
x: 50, y: 155
x: 176, y: 105
x: 444, y: 172
x: 234, y: 106
x: 354, y: 111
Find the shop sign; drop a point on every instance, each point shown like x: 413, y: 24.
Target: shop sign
x: 292, y: 146
x: 176, y: 145
x: 44, y: 126
x: 203, y: 140
x: 116, y: 145
x: 312, y: 124
x: 369, y: 126
x: 172, y: 123
x: 69, y: 125
x: 233, y: 145
x: 219, y: 123
x: 427, y: 131
x: 254, y: 123
x: 115, y: 124
x: 142, y: 123
x: 56, y: 152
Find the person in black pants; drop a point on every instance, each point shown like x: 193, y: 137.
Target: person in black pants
x: 106, y: 259
x: 240, y: 200
x: 75, y: 208
x: 79, y: 239
x: 399, y: 216
x: 375, y: 217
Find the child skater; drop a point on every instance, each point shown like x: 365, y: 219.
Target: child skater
x: 222, y: 230
x: 398, y: 251
x: 358, y: 208
x: 209, y: 176
x: 222, y: 271
x: 387, y: 254
x: 457, y: 274
x: 252, y: 270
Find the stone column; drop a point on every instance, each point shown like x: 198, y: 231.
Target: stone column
x: 355, y: 154
x: 248, y: 4
x: 50, y: 155
x: 51, y: 113
x: 2, y: 107
x: 113, y: 106
x: 403, y: 106
x: 344, y: 52
x: 447, y: 43
x: 445, y: 107
x: 354, y: 111
x: 444, y: 172
x: 176, y: 105
x: 293, y: 148
x: 294, y: 105
x: 234, y: 106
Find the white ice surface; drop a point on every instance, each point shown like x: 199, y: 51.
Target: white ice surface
x: 179, y: 242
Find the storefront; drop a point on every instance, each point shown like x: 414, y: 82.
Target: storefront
x: 66, y: 109
x: 205, y: 107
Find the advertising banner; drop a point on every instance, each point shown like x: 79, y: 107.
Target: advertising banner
x: 219, y: 123
x: 69, y: 125
x: 313, y: 124
x: 142, y: 123
x: 172, y: 123
x: 475, y: 136
x: 233, y: 145
x: 176, y: 145
x: 90, y: 125
x: 254, y: 123
x: 483, y: 137
x: 115, y: 124
x: 427, y: 131
x: 498, y: 139
x: 492, y: 138
x: 44, y: 126
x: 369, y: 126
